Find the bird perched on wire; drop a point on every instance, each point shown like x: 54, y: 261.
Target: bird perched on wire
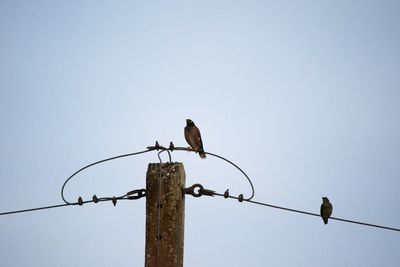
x: 193, y: 137
x: 326, y: 209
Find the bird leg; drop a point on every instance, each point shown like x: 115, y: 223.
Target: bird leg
x: 189, y: 148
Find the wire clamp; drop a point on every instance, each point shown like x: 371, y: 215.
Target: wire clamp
x: 155, y: 147
x: 197, y: 190
x: 80, y: 201
x: 171, y: 146
x: 136, y: 194
x: 226, y: 194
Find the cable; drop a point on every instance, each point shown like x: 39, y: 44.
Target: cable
x: 172, y: 148
x: 309, y: 213
x: 151, y: 148
x: 131, y: 195
x: 237, y: 167
x: 98, y: 162
x: 35, y: 209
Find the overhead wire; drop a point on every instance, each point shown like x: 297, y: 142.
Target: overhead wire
x: 237, y: 167
x: 98, y: 162
x: 210, y: 192
x: 35, y: 209
x: 309, y: 213
x: 171, y: 148
x: 132, y: 195
x: 152, y: 148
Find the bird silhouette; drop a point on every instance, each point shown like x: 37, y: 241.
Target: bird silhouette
x: 193, y: 137
x: 326, y: 209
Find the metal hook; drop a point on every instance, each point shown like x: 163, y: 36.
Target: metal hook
x: 199, y: 192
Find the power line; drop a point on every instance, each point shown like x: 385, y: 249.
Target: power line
x: 191, y: 190
x: 318, y: 215
x: 198, y: 190
x: 162, y: 149
x: 237, y: 167
x: 172, y: 148
x: 95, y: 163
x: 132, y: 195
x: 35, y: 209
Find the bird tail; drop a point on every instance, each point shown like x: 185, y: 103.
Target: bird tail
x: 325, y: 220
x: 202, y: 154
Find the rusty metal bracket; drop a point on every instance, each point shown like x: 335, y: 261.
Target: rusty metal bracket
x: 197, y: 190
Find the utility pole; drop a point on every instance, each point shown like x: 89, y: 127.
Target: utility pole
x: 165, y: 214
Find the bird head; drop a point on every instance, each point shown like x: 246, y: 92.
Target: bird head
x: 325, y: 200
x: 189, y: 122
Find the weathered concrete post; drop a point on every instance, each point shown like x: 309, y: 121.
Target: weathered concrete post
x: 165, y: 212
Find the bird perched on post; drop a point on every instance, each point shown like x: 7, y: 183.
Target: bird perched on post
x: 193, y: 137
x: 326, y: 209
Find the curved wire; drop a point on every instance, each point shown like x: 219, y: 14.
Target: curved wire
x: 237, y: 167
x: 169, y: 155
x: 225, y: 159
x: 151, y: 148
x: 95, y: 163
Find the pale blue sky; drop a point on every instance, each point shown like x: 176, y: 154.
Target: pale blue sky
x: 303, y: 95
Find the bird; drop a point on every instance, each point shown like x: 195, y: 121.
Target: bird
x: 193, y: 137
x: 326, y: 209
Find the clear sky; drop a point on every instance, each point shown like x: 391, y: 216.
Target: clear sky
x: 303, y: 95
